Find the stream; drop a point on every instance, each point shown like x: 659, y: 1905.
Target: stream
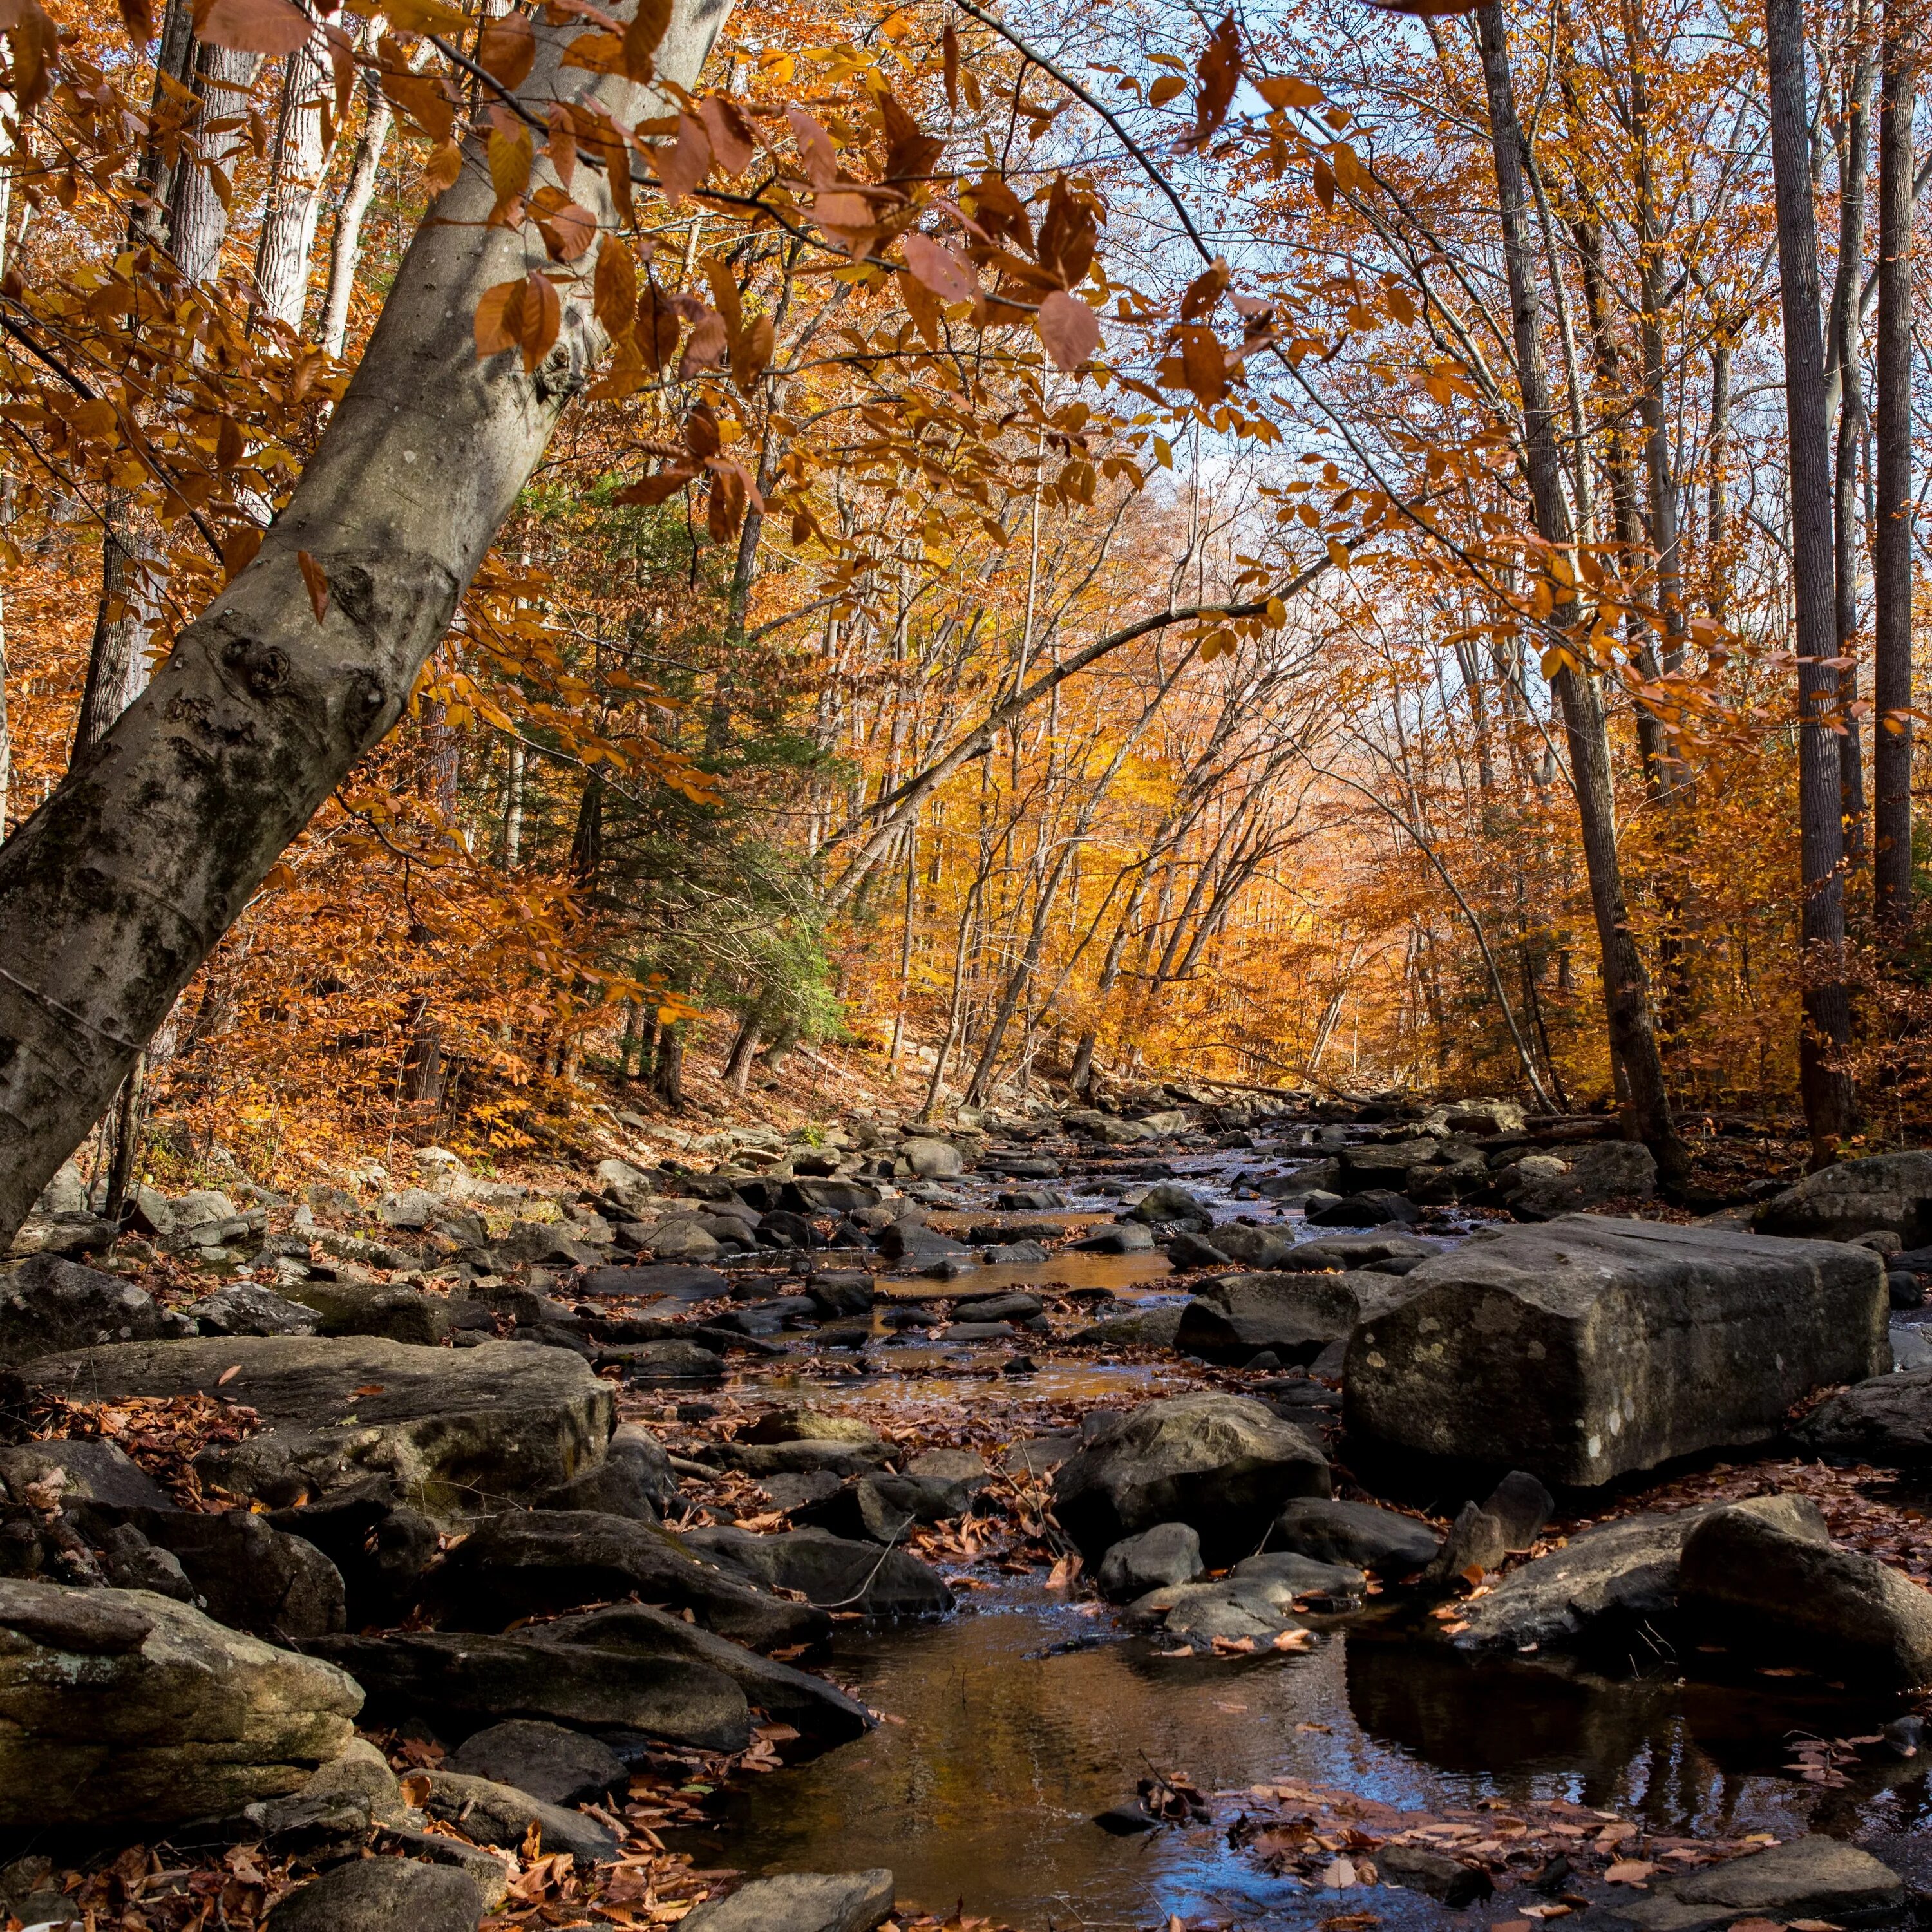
x: 1009, y: 1724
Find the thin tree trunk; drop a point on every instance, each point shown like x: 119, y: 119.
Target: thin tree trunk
x: 667, y: 1077
x: 198, y: 217
x: 1891, y: 531
x: 119, y: 886
x: 1845, y: 373
x: 345, y: 249
x: 1632, y: 1033
x: 296, y: 163
x: 117, y: 664
x: 513, y: 807
x: 1826, y: 1029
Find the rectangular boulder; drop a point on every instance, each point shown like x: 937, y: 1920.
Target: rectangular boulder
x: 1588, y: 1347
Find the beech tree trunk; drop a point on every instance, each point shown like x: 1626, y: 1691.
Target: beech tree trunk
x: 1633, y: 1032
x: 295, y: 188
x: 117, y: 664
x: 118, y: 887
x: 1826, y: 1029
x: 1891, y: 533
x: 197, y: 218
x: 345, y: 248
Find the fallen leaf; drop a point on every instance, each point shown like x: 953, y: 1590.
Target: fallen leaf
x: 369, y: 1388
x: 1630, y: 1871
x: 229, y: 1375
x: 1337, y: 1875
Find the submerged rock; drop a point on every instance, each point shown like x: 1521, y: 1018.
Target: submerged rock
x: 1224, y: 1463
x: 1588, y: 1348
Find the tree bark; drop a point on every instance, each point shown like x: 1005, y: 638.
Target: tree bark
x: 197, y: 216
x: 1891, y: 533
x: 1633, y: 1034
x: 345, y: 248
x: 1826, y: 1032
x: 296, y: 163
x: 118, y: 888
x: 117, y: 664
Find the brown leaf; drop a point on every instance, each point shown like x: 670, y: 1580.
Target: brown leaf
x: 923, y: 305
x: 252, y: 26
x: 949, y: 276
x: 441, y: 170
x: 137, y: 16
x: 1629, y: 1871
x: 1203, y: 291
x: 752, y: 352
x: 507, y: 49
x: 732, y: 143
x: 1203, y: 366
x: 1217, y: 73
x: 1066, y: 236
x: 815, y: 148
x: 317, y: 578
x: 526, y: 316
x: 998, y: 211
x: 641, y: 38
x: 238, y: 550
x: 568, y: 228
x: 658, y: 326
x: 724, y: 293
x: 686, y: 163
x: 724, y: 508
x: 1165, y: 89
x: 655, y: 490
x: 35, y: 40
x: 911, y: 152
x: 948, y: 54
x: 613, y: 289
x: 700, y: 432
x: 1278, y: 90
x: 705, y: 348
x: 1070, y: 330
x: 511, y: 159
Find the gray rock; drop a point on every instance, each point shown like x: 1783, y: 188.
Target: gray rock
x: 553, y: 1244
x: 800, y: 1902
x: 1810, y: 1877
x: 1224, y: 1463
x: 660, y: 1364
x: 139, y: 1711
x: 1416, y: 1868
x: 1252, y: 1247
x: 1350, y: 1252
x: 1168, y: 1553
x: 1294, y: 1316
x: 958, y: 1466
x: 48, y: 1304
x: 251, y: 1576
x: 929, y: 1159
x: 1887, y: 1420
x: 492, y: 1814
x: 380, y: 1548
x: 1379, y: 1208
x: 678, y: 1283
x: 1521, y: 1506
x: 1009, y: 1307
x: 777, y: 1459
x: 1476, y: 1543
x: 1592, y: 1347
x: 537, y: 1562
x: 129, y: 1562
x: 1123, y: 1238
x: 351, y: 1308
x: 1359, y: 1169
x: 1765, y: 1576
x: 1168, y: 1201
x: 344, y: 1799
x: 1257, y: 1607
x: 634, y: 1480
x: 1892, y: 1191
x: 96, y: 1472
x: 457, y: 1429
x: 842, y: 1291
x: 1300, y: 1575
x: 1357, y: 1533
x: 830, y: 1572
x: 380, y: 1895
x: 560, y: 1766
x: 882, y: 1508
x: 1602, y: 1585
x: 1599, y: 1172
x: 1144, y: 1328
x: 1187, y: 1249
x: 244, y: 1308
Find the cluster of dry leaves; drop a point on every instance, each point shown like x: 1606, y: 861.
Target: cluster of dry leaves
x: 162, y: 1435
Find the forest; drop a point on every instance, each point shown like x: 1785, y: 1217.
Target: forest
x: 963, y: 967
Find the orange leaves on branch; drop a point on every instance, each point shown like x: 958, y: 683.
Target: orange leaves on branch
x: 511, y: 157
x: 1207, y: 288
x: 949, y: 276
x: 705, y: 347
x: 613, y: 289
x: 567, y: 228
x: 507, y: 49
x: 424, y: 99
x: 923, y: 305
x: 1067, y: 234
x: 33, y: 40
x: 317, y: 579
x: 1070, y: 330
x: 949, y: 54
x: 685, y: 163
x: 642, y: 38
x: 732, y: 141
x: 814, y: 148
x: 752, y: 351
x: 1216, y: 75
x: 138, y: 18
x: 252, y: 26
x: 526, y: 316
x: 1280, y: 90
x: 911, y: 152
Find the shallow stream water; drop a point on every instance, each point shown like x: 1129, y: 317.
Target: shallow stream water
x: 1009, y: 1724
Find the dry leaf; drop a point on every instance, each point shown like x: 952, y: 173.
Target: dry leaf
x: 252, y: 26
x: 507, y: 49
x: 317, y: 580
x: 1070, y: 330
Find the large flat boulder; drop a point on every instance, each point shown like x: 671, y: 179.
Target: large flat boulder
x: 1225, y: 1464
x: 378, y: 1895
x: 1765, y: 1576
x: 1891, y: 1191
x: 536, y: 1562
x: 460, y: 1430
x: 123, y: 1708
x: 833, y: 1572
x: 1586, y: 1348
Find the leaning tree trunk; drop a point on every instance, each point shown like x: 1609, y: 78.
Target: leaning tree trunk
x: 1633, y: 1032
x: 1891, y: 533
x: 1825, y: 1032
x: 122, y: 884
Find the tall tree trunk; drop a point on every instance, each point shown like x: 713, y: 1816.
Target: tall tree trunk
x: 1826, y: 1031
x: 667, y: 1078
x: 119, y: 886
x: 1845, y: 373
x: 1632, y: 1033
x: 345, y: 248
x: 296, y: 163
x: 197, y: 216
x: 1891, y: 531
x: 117, y: 664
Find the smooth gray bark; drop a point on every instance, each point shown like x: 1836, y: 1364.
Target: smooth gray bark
x: 287, y: 237
x: 345, y: 249
x: 120, y: 885
x: 1891, y: 533
x: 1825, y: 1034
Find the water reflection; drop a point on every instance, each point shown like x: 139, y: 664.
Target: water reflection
x: 984, y: 1791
